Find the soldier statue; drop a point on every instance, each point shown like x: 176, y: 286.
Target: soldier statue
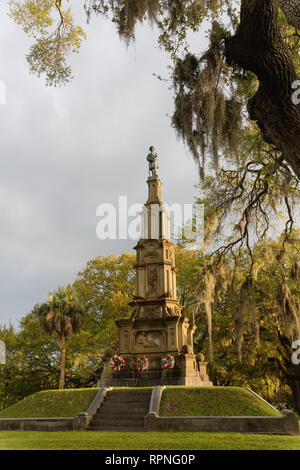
x: 152, y: 158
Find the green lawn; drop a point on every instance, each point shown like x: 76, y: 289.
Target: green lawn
x: 212, y: 401
x: 144, y: 441
x: 52, y: 404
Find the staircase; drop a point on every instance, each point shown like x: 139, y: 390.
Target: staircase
x: 122, y: 410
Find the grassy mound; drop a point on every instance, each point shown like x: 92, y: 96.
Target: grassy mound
x: 52, y: 404
x: 212, y: 401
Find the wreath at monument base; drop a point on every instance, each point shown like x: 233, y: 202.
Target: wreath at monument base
x: 168, y: 362
x: 142, y: 363
x: 117, y: 362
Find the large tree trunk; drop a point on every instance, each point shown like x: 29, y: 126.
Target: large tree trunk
x: 293, y: 382
x: 62, y: 376
x: 290, y: 371
x: 259, y: 47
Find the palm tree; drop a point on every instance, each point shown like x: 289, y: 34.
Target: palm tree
x: 61, y: 314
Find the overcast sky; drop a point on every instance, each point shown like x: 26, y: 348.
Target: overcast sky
x: 66, y: 150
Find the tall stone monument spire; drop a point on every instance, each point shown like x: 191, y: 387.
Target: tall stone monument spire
x: 157, y: 326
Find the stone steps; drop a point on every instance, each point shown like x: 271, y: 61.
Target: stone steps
x: 122, y: 410
x: 128, y: 398
x: 117, y: 428
x: 117, y: 411
x: 127, y: 391
x: 138, y: 421
x: 126, y: 404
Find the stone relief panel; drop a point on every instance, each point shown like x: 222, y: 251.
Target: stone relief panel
x: 151, y: 252
x: 152, y: 277
x: 149, y: 339
x: 170, y: 254
x: 151, y: 311
x: 173, y: 311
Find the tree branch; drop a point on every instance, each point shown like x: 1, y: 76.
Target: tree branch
x: 259, y: 47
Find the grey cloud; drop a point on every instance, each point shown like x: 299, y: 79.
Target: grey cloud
x: 65, y: 151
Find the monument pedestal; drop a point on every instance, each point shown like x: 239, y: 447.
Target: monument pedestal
x: 143, y: 381
x: 155, y: 338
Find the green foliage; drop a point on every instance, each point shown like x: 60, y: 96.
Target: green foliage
x: 32, y: 361
x: 105, y: 287
x: 52, y: 404
x: 52, y: 44
x: 254, y: 326
x: 212, y: 401
x: 189, y: 266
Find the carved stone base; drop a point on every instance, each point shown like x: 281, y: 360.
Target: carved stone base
x: 187, y: 371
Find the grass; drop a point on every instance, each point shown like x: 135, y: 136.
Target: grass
x: 52, y: 404
x: 212, y: 401
x: 12, y: 440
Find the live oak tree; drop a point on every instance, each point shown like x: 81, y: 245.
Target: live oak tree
x: 247, y: 308
x: 253, y: 50
x: 249, y: 321
x: 262, y: 316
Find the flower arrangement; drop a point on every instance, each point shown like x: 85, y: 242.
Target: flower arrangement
x: 168, y: 362
x: 117, y: 362
x: 142, y: 363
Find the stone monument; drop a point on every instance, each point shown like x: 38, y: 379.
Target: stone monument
x: 157, y: 326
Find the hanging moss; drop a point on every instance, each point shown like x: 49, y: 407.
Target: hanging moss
x: 213, y: 282
x: 205, y: 116
x: 289, y: 310
x: 206, y: 297
x: 295, y: 274
x: 246, y: 321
